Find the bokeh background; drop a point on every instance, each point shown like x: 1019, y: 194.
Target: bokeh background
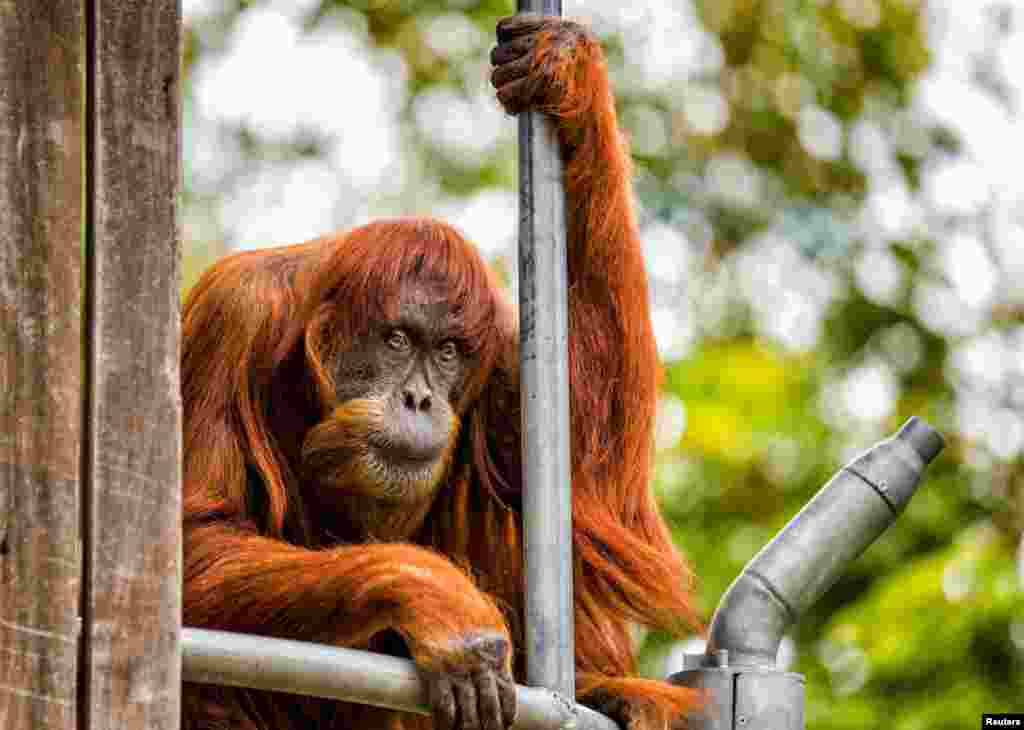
x: 832, y: 210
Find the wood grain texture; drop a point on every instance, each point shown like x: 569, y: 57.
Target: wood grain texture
x: 133, y: 597
x: 41, y: 61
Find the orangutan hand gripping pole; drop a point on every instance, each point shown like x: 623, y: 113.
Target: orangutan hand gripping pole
x: 352, y: 465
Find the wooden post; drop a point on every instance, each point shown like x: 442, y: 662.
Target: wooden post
x: 89, y: 436
x: 41, y: 58
x: 132, y: 597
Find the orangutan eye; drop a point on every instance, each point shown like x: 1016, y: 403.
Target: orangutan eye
x: 398, y: 340
x: 448, y: 352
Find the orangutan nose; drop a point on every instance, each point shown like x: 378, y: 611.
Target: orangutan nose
x: 416, y: 399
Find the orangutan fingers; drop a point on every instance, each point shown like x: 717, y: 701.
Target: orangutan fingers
x: 442, y: 703
x: 516, y: 96
x: 465, y: 692
x: 511, y: 50
x: 488, y: 702
x: 508, y: 699
x: 521, y: 24
x: 511, y: 71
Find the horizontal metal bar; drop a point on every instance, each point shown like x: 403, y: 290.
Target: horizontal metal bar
x: 349, y: 675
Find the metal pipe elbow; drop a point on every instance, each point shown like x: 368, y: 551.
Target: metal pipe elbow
x: 750, y: 622
x: 810, y: 553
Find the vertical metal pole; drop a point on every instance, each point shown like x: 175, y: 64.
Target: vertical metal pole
x: 544, y: 327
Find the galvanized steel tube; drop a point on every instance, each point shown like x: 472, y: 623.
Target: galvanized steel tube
x: 807, y: 556
x: 544, y: 340
x: 316, y: 670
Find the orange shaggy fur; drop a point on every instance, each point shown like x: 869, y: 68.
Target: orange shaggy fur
x: 260, y: 331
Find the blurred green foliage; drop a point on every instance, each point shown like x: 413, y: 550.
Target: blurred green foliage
x: 926, y: 630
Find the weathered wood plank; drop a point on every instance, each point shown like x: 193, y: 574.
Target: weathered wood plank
x: 134, y: 469
x: 41, y: 58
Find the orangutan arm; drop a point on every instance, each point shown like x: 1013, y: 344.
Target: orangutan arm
x: 559, y: 68
x: 629, y: 569
x: 240, y: 581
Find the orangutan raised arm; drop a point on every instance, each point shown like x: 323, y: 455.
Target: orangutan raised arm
x: 631, y: 569
x: 352, y: 469
x: 558, y: 67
